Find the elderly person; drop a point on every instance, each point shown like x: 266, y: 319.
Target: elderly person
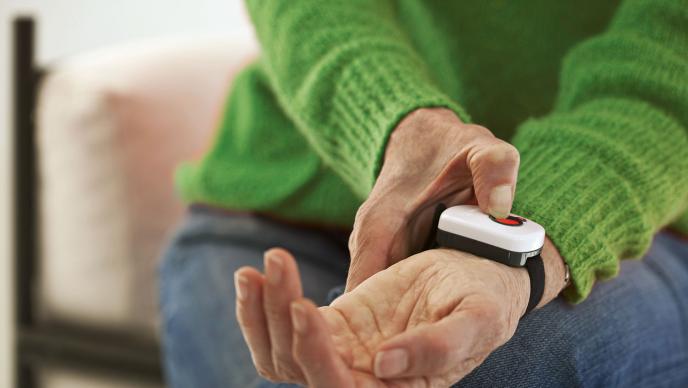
x: 359, y: 118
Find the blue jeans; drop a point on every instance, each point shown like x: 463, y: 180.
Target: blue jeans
x: 631, y: 331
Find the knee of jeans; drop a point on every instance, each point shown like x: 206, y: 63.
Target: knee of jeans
x: 171, y: 257
x: 551, y: 347
x: 542, y: 352
x: 181, y: 271
x: 561, y: 347
x: 557, y: 348
x: 168, y: 268
x: 584, y: 344
x: 180, y: 255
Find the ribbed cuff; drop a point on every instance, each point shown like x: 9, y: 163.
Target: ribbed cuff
x: 577, y: 200
x: 372, y: 94
x: 599, y: 199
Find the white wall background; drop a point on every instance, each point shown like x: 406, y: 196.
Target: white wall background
x: 68, y: 27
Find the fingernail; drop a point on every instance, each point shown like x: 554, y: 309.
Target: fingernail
x: 390, y: 363
x: 241, y: 285
x: 298, y: 318
x: 273, y: 268
x: 500, y: 201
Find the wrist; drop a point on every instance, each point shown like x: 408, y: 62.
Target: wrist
x: 518, y: 288
x: 427, y: 128
x: 423, y: 144
x: 522, y: 292
x: 555, y: 272
x: 425, y: 119
x: 555, y: 280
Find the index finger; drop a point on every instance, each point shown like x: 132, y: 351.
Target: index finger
x: 251, y: 317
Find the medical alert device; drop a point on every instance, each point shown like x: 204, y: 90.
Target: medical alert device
x: 510, y: 240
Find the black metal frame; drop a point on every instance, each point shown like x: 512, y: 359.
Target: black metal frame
x: 40, y: 343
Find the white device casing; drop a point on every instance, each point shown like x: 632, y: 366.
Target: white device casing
x: 470, y: 222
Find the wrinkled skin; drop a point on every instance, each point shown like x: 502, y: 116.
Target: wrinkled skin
x: 431, y: 157
x: 448, y: 309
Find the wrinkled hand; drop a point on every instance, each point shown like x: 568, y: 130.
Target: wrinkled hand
x: 431, y: 157
x: 424, y: 322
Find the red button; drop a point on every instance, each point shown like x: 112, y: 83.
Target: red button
x: 509, y: 221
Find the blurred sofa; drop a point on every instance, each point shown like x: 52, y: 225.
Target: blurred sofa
x: 111, y: 127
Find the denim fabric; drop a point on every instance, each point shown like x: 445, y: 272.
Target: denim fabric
x: 632, y: 331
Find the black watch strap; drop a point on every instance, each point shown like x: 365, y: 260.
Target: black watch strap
x: 431, y: 240
x: 536, y: 272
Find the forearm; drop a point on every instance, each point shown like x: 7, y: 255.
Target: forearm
x: 345, y: 73
x: 606, y: 169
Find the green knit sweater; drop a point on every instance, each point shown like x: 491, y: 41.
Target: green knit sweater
x: 593, y: 93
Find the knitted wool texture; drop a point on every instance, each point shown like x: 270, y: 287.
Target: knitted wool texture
x: 594, y: 94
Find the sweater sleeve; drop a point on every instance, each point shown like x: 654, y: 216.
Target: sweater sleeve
x: 609, y: 166
x: 345, y: 73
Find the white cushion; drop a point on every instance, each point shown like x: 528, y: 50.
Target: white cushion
x: 58, y: 378
x: 113, y: 125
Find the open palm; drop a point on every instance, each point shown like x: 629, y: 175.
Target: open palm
x: 426, y: 321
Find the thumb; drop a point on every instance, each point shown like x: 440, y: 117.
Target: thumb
x: 494, y: 168
x: 375, y: 242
